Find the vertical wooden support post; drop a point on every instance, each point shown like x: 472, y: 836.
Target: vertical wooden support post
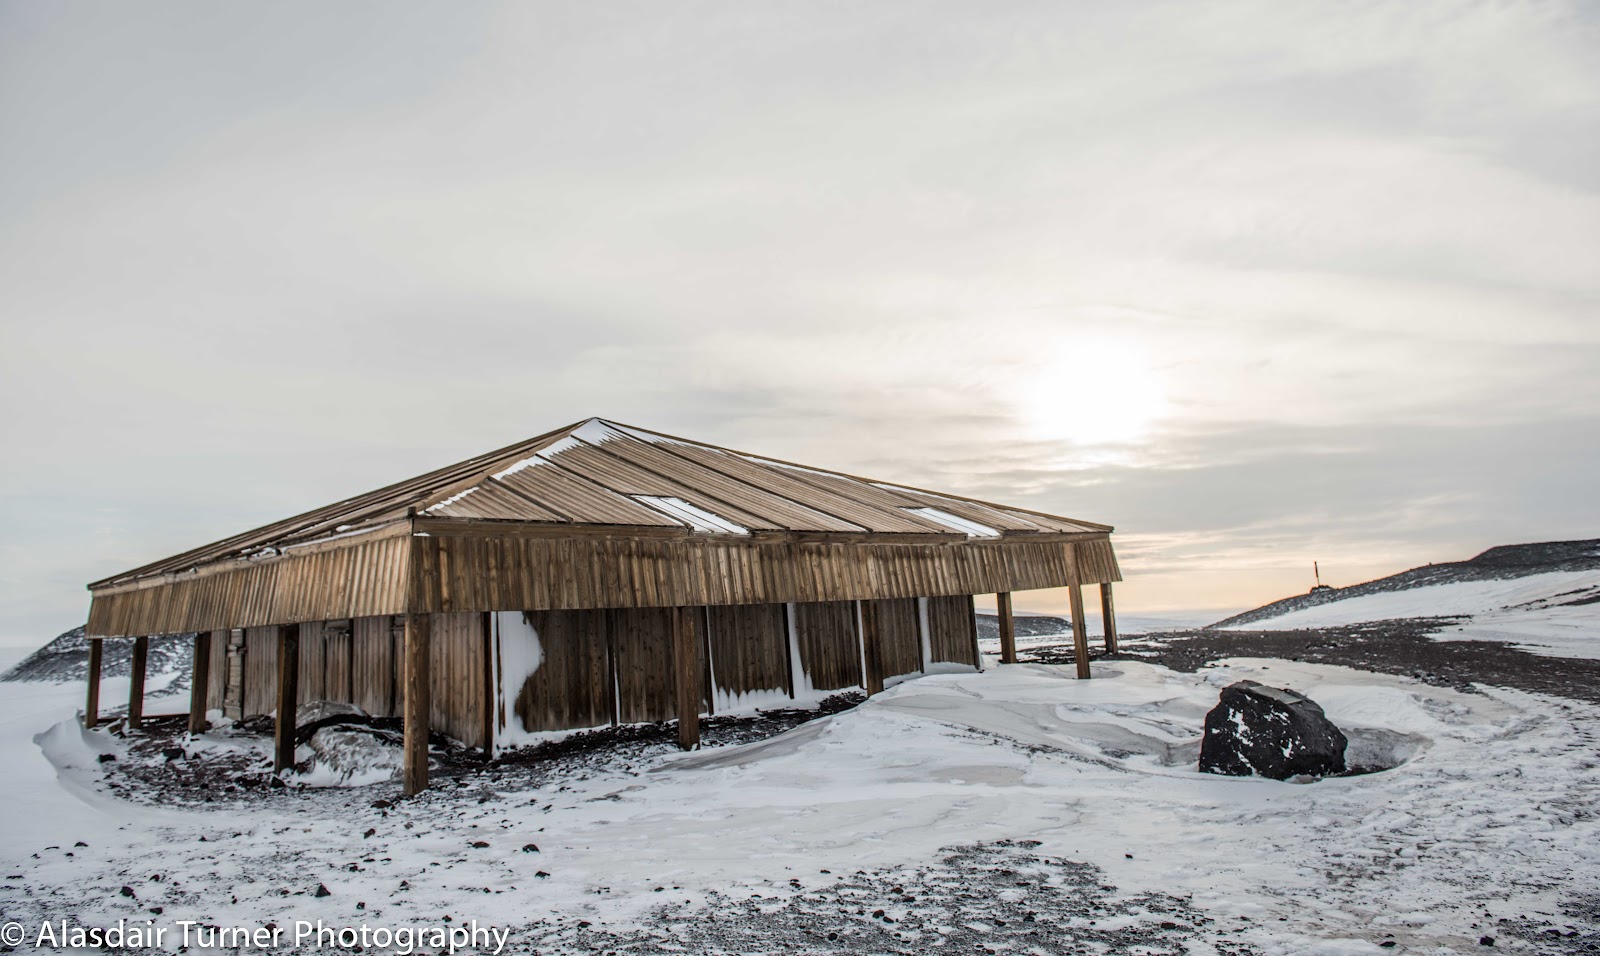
x: 972, y: 631
x: 141, y: 656
x: 288, y: 697
x: 419, y: 633
x: 1080, y: 634
x: 686, y: 669
x: 200, y: 682
x: 1108, y: 617
x: 1008, y: 628
x: 871, y: 648
x: 91, y: 707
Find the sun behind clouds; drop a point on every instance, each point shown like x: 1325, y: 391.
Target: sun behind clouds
x: 1093, y: 390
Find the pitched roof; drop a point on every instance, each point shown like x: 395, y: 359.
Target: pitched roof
x: 602, y: 473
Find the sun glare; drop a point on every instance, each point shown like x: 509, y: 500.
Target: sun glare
x: 1091, y: 392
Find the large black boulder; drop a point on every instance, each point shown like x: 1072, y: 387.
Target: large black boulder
x: 1274, y: 732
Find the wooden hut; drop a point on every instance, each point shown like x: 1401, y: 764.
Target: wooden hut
x: 597, y: 574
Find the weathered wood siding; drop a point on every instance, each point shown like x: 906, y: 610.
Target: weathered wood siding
x: 374, y: 662
x: 830, y: 649
x: 336, y: 661
x: 456, y: 672
x: 233, y: 692
x: 749, y: 648
x: 217, y: 674
x: 313, y: 680
x: 572, y: 686
x: 641, y: 652
x: 952, y: 630
x: 899, y: 635
x: 1096, y: 562
x: 365, y: 578
x: 260, y: 671
x: 483, y: 571
x: 514, y: 573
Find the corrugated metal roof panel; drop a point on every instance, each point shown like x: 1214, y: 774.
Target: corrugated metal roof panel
x: 752, y: 498
x: 626, y: 478
x: 579, y: 500
x: 490, y: 500
x: 963, y: 508
x: 780, y: 482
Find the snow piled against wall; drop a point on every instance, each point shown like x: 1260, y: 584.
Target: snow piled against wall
x: 519, y: 657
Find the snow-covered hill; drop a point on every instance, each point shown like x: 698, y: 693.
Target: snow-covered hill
x: 66, y: 659
x: 1544, y: 598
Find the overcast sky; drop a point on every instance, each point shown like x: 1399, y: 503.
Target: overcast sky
x: 1260, y: 283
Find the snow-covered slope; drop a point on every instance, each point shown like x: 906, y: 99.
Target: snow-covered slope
x: 67, y: 658
x: 1542, y: 598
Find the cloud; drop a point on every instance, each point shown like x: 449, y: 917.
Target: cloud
x: 1229, y: 276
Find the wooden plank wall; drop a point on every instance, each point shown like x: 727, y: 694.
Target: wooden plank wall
x: 217, y: 673
x: 364, y: 578
x: 260, y: 671
x: 899, y: 635
x: 830, y: 650
x: 511, y: 573
x: 374, y: 664
x: 598, y: 665
x: 312, y: 684
x: 641, y: 651
x: 572, y: 686
x: 233, y: 695
x: 457, y: 677
x: 1096, y: 562
x: 952, y: 629
x: 354, y: 662
x: 337, y: 675
x: 749, y: 647
x: 481, y: 572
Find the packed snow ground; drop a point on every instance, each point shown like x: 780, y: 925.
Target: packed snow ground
x: 1535, y: 613
x: 1489, y: 817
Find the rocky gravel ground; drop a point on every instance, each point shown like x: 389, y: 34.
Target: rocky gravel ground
x: 993, y: 898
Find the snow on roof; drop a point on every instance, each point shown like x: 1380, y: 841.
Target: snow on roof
x: 528, y: 462
x: 697, y: 518
x: 971, y: 529
x: 595, y: 431
x: 450, y: 500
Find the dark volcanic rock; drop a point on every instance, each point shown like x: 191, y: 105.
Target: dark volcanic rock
x: 1270, y: 732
